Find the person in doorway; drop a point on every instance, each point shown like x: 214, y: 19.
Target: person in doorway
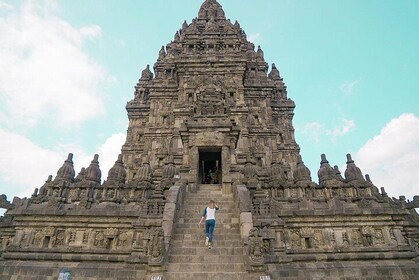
x: 216, y: 175
x: 210, y: 177
x: 209, y: 216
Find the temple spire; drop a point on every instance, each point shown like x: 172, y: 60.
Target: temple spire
x: 211, y: 9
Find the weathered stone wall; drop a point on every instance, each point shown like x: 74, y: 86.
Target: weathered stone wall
x: 351, y: 270
x: 49, y: 270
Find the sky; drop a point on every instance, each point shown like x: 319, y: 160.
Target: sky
x: 68, y: 68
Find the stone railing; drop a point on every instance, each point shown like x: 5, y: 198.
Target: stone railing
x: 174, y: 200
x: 243, y: 205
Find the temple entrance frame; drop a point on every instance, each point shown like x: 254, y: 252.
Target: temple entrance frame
x: 210, y: 165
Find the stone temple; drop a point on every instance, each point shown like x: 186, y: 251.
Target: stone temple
x: 214, y: 121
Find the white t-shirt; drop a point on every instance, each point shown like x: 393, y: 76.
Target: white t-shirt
x: 209, y: 213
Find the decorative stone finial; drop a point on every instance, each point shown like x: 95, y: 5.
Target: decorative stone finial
x: 276, y: 171
x: 301, y: 173
x: 249, y: 170
x: 211, y: 26
x: 117, y: 172
x: 274, y: 74
x: 43, y: 190
x: 349, y: 159
x: 184, y: 26
x: 169, y: 169
x: 337, y: 173
x: 93, y: 172
x: 146, y: 74
x: 35, y: 192
x: 4, y: 203
x: 352, y: 172
x: 324, y: 160
x: 211, y: 9
x: 157, y: 193
x: 81, y: 175
x: 66, y: 172
x: 162, y: 53
x: 177, y: 36
x: 248, y: 158
x: 260, y: 53
x: 326, y: 172
x: 96, y: 158
x: 145, y: 172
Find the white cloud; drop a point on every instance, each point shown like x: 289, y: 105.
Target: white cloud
x: 44, y: 71
x: 253, y: 37
x: 345, y: 127
x: 109, y: 152
x: 5, y: 6
x: 392, y: 157
x: 25, y: 166
x: 315, y: 131
x: 91, y: 31
x: 347, y: 87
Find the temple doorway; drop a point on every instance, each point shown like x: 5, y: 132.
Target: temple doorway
x: 210, y: 166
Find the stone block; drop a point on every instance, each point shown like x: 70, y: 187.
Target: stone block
x: 192, y: 188
x: 246, y: 217
x: 226, y: 188
x: 169, y: 212
x: 243, y: 197
x: 172, y: 195
x: 246, y: 224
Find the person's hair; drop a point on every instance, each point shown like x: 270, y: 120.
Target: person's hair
x: 211, y: 204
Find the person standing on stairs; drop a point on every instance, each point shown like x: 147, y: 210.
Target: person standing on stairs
x: 209, y: 215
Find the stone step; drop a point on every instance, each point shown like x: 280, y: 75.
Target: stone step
x: 206, y: 267
x: 195, y: 218
x: 204, y: 201
x: 208, y: 188
x: 206, y: 259
x: 200, y: 243
x: 218, y: 225
x: 210, y: 191
x: 194, y: 210
x: 203, y: 186
x: 189, y: 258
x: 217, y: 235
x: 200, y: 210
x: 221, y: 204
x: 194, y: 223
x: 207, y: 276
x: 220, y: 251
x: 221, y: 219
x: 218, y: 232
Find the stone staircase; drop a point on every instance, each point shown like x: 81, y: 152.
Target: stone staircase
x: 189, y: 258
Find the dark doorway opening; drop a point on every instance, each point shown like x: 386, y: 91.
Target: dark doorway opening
x: 210, y: 166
